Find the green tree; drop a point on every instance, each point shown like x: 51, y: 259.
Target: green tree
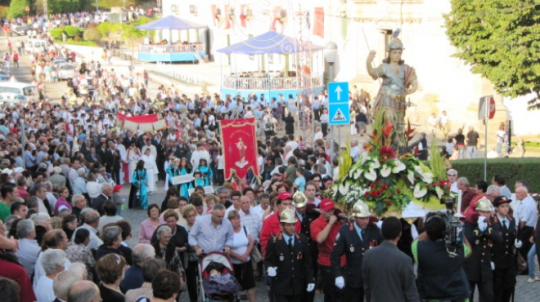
x: 133, y: 35
x: 17, y: 8
x: 500, y: 39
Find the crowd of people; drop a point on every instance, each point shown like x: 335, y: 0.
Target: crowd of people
x: 63, y: 245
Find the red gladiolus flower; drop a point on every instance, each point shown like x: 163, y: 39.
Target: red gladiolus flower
x: 385, y: 186
x: 398, y: 191
x: 371, y: 185
x: 427, y: 186
x: 388, y: 202
x: 434, y: 184
x: 366, y: 194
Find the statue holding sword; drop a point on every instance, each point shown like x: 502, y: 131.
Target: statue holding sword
x: 398, y: 80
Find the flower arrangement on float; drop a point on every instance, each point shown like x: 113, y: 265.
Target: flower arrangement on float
x: 387, y: 181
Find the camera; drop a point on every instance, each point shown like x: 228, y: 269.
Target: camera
x: 452, y: 237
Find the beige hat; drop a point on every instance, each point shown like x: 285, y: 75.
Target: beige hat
x: 57, y: 170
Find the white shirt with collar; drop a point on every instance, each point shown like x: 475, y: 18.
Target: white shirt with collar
x: 528, y: 211
x: 95, y: 241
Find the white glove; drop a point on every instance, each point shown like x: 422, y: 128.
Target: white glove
x: 482, y: 223
x: 340, y: 282
x: 272, y: 271
x: 518, y: 243
x: 310, y: 287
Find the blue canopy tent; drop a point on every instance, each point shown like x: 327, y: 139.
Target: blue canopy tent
x: 172, y: 54
x: 170, y: 22
x: 268, y: 43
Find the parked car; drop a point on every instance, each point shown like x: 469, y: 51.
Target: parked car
x: 17, y: 91
x: 34, y: 45
x: 20, y: 30
x: 66, y: 71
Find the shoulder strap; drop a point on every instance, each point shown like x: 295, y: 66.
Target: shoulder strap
x: 245, y: 231
x: 142, y: 299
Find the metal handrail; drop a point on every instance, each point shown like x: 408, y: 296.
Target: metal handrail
x: 266, y: 83
x: 193, y: 47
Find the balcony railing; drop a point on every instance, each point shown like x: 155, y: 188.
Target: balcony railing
x: 193, y: 47
x: 268, y: 82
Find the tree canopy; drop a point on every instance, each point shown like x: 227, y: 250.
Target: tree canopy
x: 501, y: 40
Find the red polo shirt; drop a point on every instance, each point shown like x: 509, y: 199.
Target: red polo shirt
x: 325, y: 248
x: 272, y: 227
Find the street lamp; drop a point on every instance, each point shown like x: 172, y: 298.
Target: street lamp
x: 330, y: 54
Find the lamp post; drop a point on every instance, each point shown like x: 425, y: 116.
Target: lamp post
x: 330, y: 54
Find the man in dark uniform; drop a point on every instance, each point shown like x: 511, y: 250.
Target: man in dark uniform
x: 354, y: 240
x: 306, y: 214
x: 288, y: 260
x: 481, y: 235
x: 504, y: 254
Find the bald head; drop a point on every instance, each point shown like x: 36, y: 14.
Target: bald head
x: 84, y: 291
x: 521, y: 193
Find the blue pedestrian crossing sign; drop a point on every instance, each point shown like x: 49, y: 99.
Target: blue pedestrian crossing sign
x: 338, y: 103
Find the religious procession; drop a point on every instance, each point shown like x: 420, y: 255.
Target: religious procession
x: 121, y: 184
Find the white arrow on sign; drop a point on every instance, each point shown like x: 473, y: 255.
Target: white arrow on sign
x: 338, y: 91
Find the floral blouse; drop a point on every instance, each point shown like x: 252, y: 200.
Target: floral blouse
x: 81, y: 253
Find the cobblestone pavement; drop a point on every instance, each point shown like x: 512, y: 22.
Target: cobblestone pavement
x: 525, y: 292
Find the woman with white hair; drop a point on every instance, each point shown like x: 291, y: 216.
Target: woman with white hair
x: 112, y: 239
x: 52, y: 261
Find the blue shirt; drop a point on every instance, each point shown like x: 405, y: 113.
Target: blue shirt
x: 210, y: 238
x: 29, y: 158
x: 301, y: 183
x: 287, y: 238
x: 359, y: 231
x: 133, y: 279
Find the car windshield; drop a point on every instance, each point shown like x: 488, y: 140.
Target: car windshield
x: 29, y: 91
x: 67, y: 67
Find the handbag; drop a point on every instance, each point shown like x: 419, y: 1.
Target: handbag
x: 521, y: 264
x: 256, y: 255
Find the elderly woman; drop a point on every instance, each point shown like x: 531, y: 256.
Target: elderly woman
x: 190, y: 214
x: 28, y: 247
x: 179, y: 235
x: 112, y: 239
x: 166, y: 250
x: 110, y: 269
x: 240, y: 251
x: 78, y: 251
x: 149, y: 225
x: 52, y: 261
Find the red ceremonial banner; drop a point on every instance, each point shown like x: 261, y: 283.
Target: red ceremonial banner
x: 318, y: 26
x: 239, y: 146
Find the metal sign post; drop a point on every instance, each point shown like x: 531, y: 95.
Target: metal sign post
x: 338, y: 108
